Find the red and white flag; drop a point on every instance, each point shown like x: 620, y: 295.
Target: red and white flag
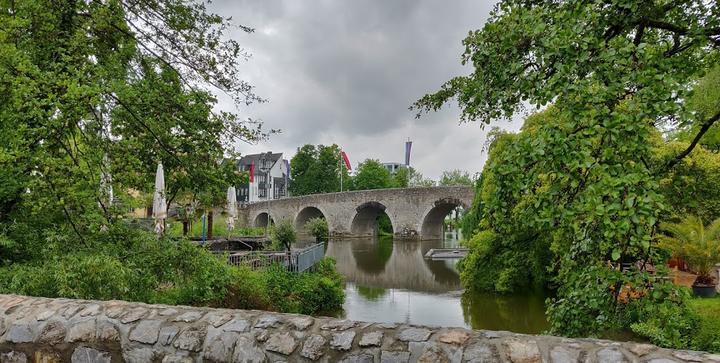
x: 252, y: 171
x: 346, y: 160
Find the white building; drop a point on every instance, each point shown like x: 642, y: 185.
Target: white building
x: 271, y: 174
x: 393, y: 167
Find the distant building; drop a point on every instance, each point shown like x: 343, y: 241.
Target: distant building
x: 393, y: 167
x: 271, y: 184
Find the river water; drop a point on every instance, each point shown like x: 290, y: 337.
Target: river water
x: 391, y: 281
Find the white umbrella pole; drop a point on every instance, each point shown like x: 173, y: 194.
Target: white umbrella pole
x: 159, y: 202
x: 231, y: 209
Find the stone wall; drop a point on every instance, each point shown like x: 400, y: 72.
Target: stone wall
x: 62, y: 330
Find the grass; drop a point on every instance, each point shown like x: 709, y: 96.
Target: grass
x: 219, y: 229
x: 708, y: 333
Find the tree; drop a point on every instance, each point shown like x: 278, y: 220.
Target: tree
x: 371, y: 174
x: 303, y: 170
x: 416, y: 179
x: 401, y: 178
x: 318, y: 228
x: 409, y: 177
x: 614, y: 70
x: 703, y: 101
x: 92, y: 88
x: 455, y: 177
x: 315, y: 169
x: 284, y: 235
x: 698, y: 244
x: 690, y: 188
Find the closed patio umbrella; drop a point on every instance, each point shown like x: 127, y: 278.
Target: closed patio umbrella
x: 231, y: 208
x: 159, y: 202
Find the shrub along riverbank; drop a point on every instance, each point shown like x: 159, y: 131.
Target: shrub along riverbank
x: 133, y: 265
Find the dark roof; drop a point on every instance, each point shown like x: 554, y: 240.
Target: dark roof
x: 248, y: 159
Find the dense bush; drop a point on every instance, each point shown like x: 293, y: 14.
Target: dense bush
x: 140, y: 267
x: 384, y: 225
x: 283, y: 236
x: 707, y: 333
x: 318, y: 228
x: 691, y: 187
x: 694, y: 325
x: 307, y: 293
x: 504, y: 264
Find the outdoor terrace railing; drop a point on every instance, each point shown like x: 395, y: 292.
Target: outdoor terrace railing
x: 294, y: 261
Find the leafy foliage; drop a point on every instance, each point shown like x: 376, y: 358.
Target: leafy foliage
x: 283, y: 235
x: 697, y: 244
x: 139, y: 267
x: 321, y: 291
x: 690, y: 188
x: 702, y: 103
x: 88, y: 94
x: 581, y: 173
x: 316, y: 169
x: 95, y: 93
x: 318, y: 228
x: 455, y: 177
x: 707, y: 334
x: 384, y: 225
x: 371, y: 175
x: 471, y: 219
x: 409, y: 177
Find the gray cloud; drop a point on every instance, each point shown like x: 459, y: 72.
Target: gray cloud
x: 346, y: 72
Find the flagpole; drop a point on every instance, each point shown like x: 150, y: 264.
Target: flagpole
x: 341, y: 173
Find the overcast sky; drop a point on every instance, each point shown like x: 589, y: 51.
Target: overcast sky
x: 345, y: 72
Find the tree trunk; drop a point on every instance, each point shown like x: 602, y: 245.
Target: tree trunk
x: 210, y: 225
x: 186, y: 225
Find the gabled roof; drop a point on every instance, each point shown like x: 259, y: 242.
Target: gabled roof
x: 246, y: 160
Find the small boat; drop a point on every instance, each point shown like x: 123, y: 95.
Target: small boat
x: 446, y: 253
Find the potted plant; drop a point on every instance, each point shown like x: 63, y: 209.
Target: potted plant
x: 699, y: 246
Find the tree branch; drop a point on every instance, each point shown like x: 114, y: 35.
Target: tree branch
x: 167, y: 149
x: 65, y: 211
x: 705, y: 127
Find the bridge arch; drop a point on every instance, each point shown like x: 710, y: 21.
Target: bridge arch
x: 262, y: 219
x: 432, y: 223
x: 305, y: 215
x: 364, y: 222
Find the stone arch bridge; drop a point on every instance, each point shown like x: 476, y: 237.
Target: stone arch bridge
x: 414, y: 212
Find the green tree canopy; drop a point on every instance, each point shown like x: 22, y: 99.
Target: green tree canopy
x: 615, y: 71
x: 315, y: 169
x: 371, y: 174
x: 92, y: 88
x: 455, y: 177
x: 703, y: 101
x: 409, y: 177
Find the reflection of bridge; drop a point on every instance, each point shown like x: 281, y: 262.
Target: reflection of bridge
x: 413, y: 212
x: 374, y: 263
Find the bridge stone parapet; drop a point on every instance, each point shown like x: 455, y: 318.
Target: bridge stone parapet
x: 413, y: 212
x: 80, y: 331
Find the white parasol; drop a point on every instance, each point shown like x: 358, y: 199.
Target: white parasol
x: 159, y: 202
x: 231, y: 208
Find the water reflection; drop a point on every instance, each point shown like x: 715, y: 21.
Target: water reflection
x: 393, y: 265
x: 391, y: 281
